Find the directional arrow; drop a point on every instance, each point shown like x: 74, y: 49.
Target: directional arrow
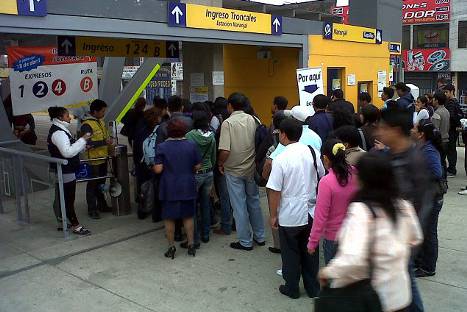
x: 67, y: 45
x: 177, y: 13
x: 276, y: 24
x: 311, y: 88
x: 172, y: 49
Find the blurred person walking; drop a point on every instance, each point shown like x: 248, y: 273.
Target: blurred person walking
x: 455, y: 114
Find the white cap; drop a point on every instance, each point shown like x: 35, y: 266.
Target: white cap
x: 301, y: 113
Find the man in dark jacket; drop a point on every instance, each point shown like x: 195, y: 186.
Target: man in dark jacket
x: 338, y: 101
x: 406, y: 99
x: 456, y: 115
x: 322, y: 121
x: 175, y: 107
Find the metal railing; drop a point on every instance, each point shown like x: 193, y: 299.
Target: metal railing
x: 22, y: 204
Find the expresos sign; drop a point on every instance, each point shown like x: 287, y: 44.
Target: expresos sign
x: 426, y: 11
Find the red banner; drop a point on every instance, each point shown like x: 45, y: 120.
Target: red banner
x: 427, y: 60
x: 43, y: 56
x: 426, y: 11
x: 343, y: 12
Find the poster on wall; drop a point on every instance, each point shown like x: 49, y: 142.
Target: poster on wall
x: 39, y: 79
x: 310, y: 84
x: 382, y: 78
x: 427, y: 60
x: 426, y: 11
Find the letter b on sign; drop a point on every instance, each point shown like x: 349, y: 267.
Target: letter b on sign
x: 86, y: 84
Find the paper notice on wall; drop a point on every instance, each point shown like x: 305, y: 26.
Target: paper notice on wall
x: 310, y: 84
x: 197, y: 79
x: 177, y: 71
x: 382, y: 79
x: 199, y: 94
x: 39, y: 79
x: 351, y: 80
x: 217, y: 78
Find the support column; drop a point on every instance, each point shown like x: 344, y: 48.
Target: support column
x: 111, y: 83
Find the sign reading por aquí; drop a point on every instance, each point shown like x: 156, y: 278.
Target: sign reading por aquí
x: 205, y: 17
x: 342, y: 32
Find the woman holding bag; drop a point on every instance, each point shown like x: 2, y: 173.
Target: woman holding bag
x: 375, y: 244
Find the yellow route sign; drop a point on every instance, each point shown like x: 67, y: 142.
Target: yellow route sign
x: 343, y: 32
x: 93, y: 46
x: 206, y: 17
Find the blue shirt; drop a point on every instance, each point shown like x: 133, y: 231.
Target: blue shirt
x: 179, y: 157
x: 309, y: 137
x: 322, y: 124
x: 433, y: 160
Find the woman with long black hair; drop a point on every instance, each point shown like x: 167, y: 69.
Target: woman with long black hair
x: 376, y: 238
x: 335, y: 191
x: 429, y: 141
x: 61, y: 144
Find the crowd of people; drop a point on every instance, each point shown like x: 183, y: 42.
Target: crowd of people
x: 369, y: 185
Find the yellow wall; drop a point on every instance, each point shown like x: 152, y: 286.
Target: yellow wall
x: 261, y: 80
x: 363, y: 60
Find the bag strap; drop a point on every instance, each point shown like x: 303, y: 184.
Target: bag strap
x: 313, y: 153
x: 362, y: 137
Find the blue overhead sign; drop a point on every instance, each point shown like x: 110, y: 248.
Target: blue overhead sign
x: 276, y: 25
x: 32, y: 7
x: 176, y: 14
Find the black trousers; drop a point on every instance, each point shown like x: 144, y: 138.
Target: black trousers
x: 69, y: 191
x: 443, y: 155
x: 296, y: 261
x: 94, y: 196
x: 452, y: 152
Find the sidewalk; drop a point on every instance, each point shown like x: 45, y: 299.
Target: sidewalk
x: 121, y: 267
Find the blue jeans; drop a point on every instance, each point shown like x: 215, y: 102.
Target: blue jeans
x: 417, y: 304
x: 244, y: 197
x: 429, y: 252
x: 202, y: 226
x: 330, y: 249
x: 223, y: 194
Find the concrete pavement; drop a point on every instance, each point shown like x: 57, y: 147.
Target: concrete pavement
x: 121, y: 266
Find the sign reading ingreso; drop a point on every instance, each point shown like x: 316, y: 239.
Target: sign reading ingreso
x: 342, y: 32
x: 205, y: 17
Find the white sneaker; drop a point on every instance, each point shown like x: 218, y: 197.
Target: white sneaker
x: 464, y: 192
x: 279, y: 272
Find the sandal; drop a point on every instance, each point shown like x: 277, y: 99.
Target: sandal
x: 81, y: 230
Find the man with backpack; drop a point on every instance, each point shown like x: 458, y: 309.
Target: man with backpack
x: 237, y: 162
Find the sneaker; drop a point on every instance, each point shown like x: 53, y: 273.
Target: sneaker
x: 279, y: 272
x: 464, y: 192
x: 286, y: 292
x: 422, y: 273
x: 239, y: 246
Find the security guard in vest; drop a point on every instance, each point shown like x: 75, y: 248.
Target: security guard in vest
x: 98, y: 147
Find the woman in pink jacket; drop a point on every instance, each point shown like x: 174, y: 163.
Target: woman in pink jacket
x: 335, y: 192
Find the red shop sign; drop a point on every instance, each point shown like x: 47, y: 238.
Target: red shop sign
x: 427, y: 60
x: 342, y: 11
x: 426, y: 11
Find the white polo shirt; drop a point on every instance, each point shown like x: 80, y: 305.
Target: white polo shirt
x: 293, y: 174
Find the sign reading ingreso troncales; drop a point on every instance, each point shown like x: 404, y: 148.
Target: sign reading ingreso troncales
x: 39, y: 79
x: 341, y: 32
x: 310, y: 84
x: 24, y: 7
x: 93, y: 46
x: 205, y: 17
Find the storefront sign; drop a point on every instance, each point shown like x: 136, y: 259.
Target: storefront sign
x: 92, y: 46
x: 24, y: 7
x: 395, y: 48
x: 427, y: 60
x: 310, y: 84
x: 39, y: 79
x: 426, y: 11
x: 340, y: 32
x: 343, y: 12
x: 205, y: 17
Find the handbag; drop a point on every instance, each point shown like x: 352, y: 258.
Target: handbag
x: 356, y: 297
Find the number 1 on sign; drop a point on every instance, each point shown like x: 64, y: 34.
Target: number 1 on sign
x: 21, y: 89
x: 32, y: 5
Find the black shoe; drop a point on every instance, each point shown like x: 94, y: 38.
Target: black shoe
x: 192, y: 250
x: 81, y: 230
x: 422, y: 273
x: 184, y: 245
x: 283, y: 290
x: 274, y: 250
x: 239, y: 246
x: 259, y: 243
x: 94, y: 215
x: 170, y: 253
x: 205, y: 239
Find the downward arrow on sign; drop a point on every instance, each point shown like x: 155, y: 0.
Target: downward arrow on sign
x: 311, y: 88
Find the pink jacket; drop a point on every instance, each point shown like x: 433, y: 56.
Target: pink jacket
x: 331, y: 207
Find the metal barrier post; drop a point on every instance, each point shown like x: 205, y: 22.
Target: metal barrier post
x: 62, y: 200
x: 24, y: 191
x: 18, y: 189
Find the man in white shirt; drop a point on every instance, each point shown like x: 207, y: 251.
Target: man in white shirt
x: 292, y: 197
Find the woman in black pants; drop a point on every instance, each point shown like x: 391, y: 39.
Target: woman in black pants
x: 61, y: 144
